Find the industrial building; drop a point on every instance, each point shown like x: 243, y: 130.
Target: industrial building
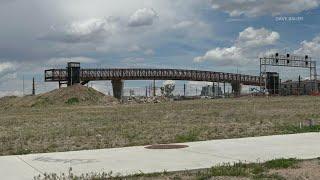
x: 306, y: 87
x: 211, y: 91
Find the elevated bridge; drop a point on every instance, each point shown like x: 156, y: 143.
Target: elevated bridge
x: 73, y: 74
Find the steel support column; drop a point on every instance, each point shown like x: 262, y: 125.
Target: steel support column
x: 117, y: 86
x: 236, y: 88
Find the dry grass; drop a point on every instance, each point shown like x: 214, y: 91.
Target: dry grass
x: 72, y: 127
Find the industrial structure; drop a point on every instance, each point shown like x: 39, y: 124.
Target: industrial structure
x: 73, y: 74
x: 211, y: 91
x: 300, y: 87
x: 269, y: 82
x: 273, y: 81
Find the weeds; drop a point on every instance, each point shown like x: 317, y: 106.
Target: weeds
x: 72, y: 101
x: 190, y: 136
x: 291, y: 129
x: 23, y: 151
x: 236, y: 170
x: 252, y: 170
x: 281, y: 163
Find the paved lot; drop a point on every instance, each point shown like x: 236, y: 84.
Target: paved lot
x: 136, y: 159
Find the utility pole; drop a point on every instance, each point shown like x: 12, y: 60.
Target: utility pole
x: 33, y: 87
x: 146, y: 91
x: 154, y: 88
x: 299, y: 85
x: 224, y: 88
x: 213, y: 90
x: 218, y: 89
x: 280, y: 88
x: 184, y: 90
x: 274, y: 85
x: 23, y: 85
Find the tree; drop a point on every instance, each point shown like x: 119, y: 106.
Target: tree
x: 168, y: 88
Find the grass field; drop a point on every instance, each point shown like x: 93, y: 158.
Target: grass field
x: 72, y: 127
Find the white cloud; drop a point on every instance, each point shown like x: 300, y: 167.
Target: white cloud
x: 184, y: 24
x: 191, y: 28
x: 149, y: 52
x: 81, y: 28
x: 311, y: 48
x: 63, y: 61
x: 7, y: 70
x: 253, y: 8
x: 251, y: 37
x: 92, y: 30
x: 5, y: 66
x: 103, y: 30
x: 143, y: 17
x: 133, y: 60
x: 249, y: 41
x: 11, y: 93
x: 269, y: 52
x: 134, y: 48
x: 223, y: 56
x: 145, y: 51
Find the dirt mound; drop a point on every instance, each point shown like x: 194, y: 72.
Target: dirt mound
x: 73, y: 95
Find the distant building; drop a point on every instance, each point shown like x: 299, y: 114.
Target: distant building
x: 306, y: 87
x: 211, y: 91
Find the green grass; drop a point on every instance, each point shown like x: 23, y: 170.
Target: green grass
x: 292, y: 129
x: 281, y: 163
x: 41, y: 102
x: 236, y: 170
x: 190, y: 136
x: 23, y: 151
x: 252, y: 170
x: 72, y: 101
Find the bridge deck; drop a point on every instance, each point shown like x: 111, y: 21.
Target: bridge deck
x: 55, y: 75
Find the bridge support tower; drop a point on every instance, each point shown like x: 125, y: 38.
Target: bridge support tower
x: 73, y: 71
x: 236, y: 88
x: 117, y: 86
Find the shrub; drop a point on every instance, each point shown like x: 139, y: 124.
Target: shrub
x: 188, y: 137
x: 72, y: 101
x: 281, y: 163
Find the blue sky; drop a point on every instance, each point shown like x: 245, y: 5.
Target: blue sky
x: 215, y: 35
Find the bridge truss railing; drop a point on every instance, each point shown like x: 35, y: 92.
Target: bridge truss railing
x: 154, y: 74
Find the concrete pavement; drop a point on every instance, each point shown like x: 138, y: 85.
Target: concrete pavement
x: 138, y: 159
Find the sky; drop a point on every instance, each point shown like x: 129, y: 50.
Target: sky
x: 216, y: 35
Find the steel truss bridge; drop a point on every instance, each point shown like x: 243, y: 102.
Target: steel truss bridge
x: 86, y: 75
x: 73, y: 74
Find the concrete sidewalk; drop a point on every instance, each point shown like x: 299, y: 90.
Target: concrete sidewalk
x: 138, y: 159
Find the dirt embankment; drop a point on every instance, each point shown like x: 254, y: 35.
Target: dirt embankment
x: 74, y: 95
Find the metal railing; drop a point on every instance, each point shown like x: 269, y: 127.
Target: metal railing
x: 55, y: 75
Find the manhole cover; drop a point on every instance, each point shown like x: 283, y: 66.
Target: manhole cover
x: 166, y: 146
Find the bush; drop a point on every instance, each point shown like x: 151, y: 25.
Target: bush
x: 304, y: 129
x: 281, y: 163
x: 23, y: 151
x: 188, y: 137
x: 72, y: 101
